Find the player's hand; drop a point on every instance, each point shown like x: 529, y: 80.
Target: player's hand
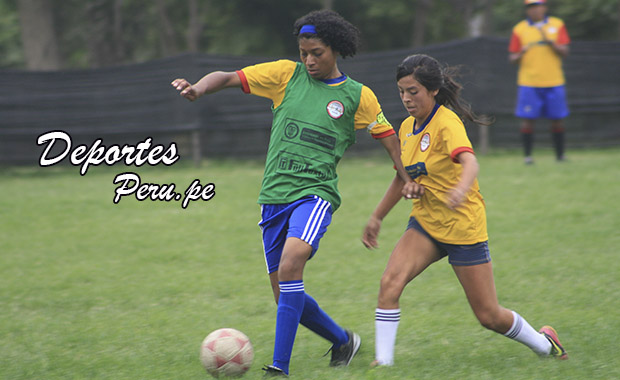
x: 455, y: 197
x: 412, y: 190
x: 371, y: 232
x: 186, y: 89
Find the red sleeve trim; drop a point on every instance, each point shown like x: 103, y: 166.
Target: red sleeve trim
x: 563, y: 38
x: 384, y: 134
x: 244, y: 81
x: 515, y: 43
x: 458, y: 151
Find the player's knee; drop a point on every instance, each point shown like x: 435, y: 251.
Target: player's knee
x: 489, y: 320
x: 391, y: 287
x: 290, y: 269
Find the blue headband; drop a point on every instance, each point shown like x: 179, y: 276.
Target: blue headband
x: 307, y: 29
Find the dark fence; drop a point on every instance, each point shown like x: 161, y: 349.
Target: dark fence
x: 127, y: 104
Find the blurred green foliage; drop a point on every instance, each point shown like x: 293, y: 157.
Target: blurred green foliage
x: 108, y: 32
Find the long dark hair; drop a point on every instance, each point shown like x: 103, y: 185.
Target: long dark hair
x: 430, y: 74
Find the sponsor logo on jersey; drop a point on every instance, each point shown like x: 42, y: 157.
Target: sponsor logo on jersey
x: 425, y: 142
x: 294, y: 163
x: 335, y: 109
x: 416, y: 170
x: 291, y: 131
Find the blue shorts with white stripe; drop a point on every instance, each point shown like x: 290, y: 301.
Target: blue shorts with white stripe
x: 306, y: 219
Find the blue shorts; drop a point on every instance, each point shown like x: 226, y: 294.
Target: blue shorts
x: 306, y: 219
x: 537, y: 102
x: 459, y: 255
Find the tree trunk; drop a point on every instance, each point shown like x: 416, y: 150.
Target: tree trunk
x: 166, y: 31
x: 38, y: 35
x: 487, y: 21
x: 104, y: 33
x: 328, y: 4
x: 618, y: 18
x: 421, y: 11
x: 118, y: 30
x: 196, y: 25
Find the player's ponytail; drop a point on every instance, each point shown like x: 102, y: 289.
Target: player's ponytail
x: 429, y: 73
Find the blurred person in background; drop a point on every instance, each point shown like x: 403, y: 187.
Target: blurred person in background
x: 538, y: 44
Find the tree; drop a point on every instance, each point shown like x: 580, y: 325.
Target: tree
x: 420, y: 19
x: 196, y: 23
x: 104, y: 32
x: 38, y: 34
x: 53, y: 34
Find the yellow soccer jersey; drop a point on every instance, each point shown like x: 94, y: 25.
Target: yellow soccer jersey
x: 269, y: 80
x: 540, y: 66
x: 429, y: 153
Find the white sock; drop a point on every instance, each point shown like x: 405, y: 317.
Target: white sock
x: 522, y: 332
x: 386, y: 325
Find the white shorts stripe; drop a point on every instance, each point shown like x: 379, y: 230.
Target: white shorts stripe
x: 314, y: 221
x: 304, y: 235
x: 318, y: 221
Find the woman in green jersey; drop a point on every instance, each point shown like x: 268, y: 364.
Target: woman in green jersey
x: 316, y: 111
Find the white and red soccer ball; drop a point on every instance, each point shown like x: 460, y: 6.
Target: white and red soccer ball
x: 226, y: 352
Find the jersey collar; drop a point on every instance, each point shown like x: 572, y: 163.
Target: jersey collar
x: 428, y: 120
x: 338, y: 80
x: 544, y: 21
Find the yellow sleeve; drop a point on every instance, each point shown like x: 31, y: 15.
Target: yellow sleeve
x: 370, y: 116
x: 267, y: 80
x: 455, y: 135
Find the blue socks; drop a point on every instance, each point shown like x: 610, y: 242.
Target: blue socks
x: 317, y: 321
x: 290, y: 307
x: 294, y: 307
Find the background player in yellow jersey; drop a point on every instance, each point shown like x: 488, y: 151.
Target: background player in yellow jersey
x: 316, y: 111
x: 448, y: 217
x: 538, y: 44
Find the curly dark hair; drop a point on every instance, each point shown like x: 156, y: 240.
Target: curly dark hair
x: 430, y: 74
x: 332, y: 29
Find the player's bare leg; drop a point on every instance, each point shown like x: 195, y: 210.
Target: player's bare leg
x: 479, y: 287
x: 412, y: 255
x: 294, y: 256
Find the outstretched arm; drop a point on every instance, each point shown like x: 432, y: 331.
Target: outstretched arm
x: 208, y: 84
x: 389, y: 200
x: 410, y: 189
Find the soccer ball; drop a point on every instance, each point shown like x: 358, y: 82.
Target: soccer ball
x: 226, y: 352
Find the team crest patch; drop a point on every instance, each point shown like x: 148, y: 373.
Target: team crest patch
x: 335, y: 109
x: 426, y: 142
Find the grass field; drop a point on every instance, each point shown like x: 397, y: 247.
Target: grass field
x: 90, y: 289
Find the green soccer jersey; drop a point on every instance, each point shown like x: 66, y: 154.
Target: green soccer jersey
x: 313, y: 124
x: 312, y: 127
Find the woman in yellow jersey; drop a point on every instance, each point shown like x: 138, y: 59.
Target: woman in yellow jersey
x: 448, y: 216
x: 316, y: 111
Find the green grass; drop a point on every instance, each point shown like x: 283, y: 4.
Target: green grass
x: 94, y: 290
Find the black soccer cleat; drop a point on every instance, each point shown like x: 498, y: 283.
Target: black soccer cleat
x: 273, y: 371
x: 343, y: 355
